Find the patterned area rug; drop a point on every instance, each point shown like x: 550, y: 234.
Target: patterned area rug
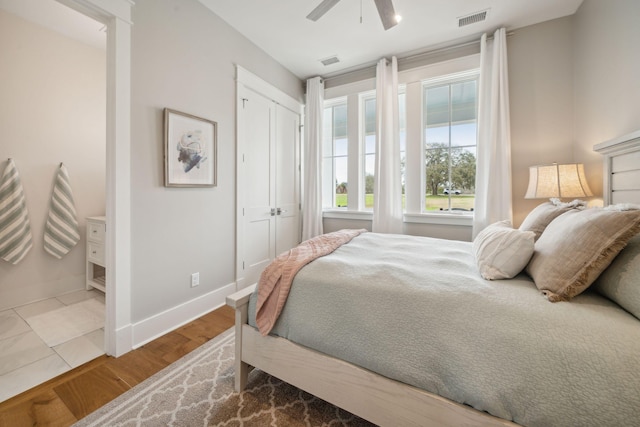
x: 197, y: 390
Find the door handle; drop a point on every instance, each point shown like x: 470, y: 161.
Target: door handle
x: 281, y: 211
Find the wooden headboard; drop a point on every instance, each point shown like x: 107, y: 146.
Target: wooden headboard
x: 621, y: 172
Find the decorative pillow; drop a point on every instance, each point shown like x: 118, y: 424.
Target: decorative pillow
x: 577, y: 246
x: 502, y: 251
x: 543, y: 214
x: 620, y: 282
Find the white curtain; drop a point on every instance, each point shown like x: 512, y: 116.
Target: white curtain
x: 312, y: 200
x: 493, y: 173
x: 387, y: 205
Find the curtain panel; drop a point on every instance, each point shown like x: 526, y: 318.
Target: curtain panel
x: 387, y: 205
x: 493, y: 173
x: 312, y: 190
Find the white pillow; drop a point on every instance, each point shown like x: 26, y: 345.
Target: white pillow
x: 502, y: 251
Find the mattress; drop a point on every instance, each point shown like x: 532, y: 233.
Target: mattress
x: 416, y: 310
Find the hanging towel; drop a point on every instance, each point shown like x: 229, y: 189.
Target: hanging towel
x: 15, y: 229
x: 61, y: 232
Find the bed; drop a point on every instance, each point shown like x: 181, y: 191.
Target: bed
x: 453, y: 348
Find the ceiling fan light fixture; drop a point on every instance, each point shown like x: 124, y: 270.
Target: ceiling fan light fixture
x: 398, y: 18
x: 321, y: 9
x: 387, y: 13
x: 388, y: 16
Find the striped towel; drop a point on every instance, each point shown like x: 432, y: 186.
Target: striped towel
x: 61, y: 232
x: 15, y: 229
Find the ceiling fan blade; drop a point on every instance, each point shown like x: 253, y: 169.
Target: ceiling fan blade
x: 321, y: 9
x: 386, y: 12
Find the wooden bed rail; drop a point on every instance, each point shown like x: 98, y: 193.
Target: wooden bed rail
x: 240, y: 302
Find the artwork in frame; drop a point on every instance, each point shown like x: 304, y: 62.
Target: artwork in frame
x: 190, y: 145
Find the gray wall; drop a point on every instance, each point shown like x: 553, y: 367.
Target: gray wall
x: 184, y: 57
x: 541, y: 103
x: 606, y: 40
x: 52, y: 110
x: 574, y: 83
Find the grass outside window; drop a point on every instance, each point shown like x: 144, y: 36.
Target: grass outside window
x: 432, y: 203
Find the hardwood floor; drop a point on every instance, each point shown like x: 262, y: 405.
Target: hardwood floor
x: 75, y: 394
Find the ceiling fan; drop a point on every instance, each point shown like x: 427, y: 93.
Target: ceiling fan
x: 385, y: 10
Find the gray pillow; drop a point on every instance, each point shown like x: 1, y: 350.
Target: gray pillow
x: 542, y: 215
x: 620, y: 282
x: 577, y: 246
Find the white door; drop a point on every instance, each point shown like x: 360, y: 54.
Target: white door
x: 258, y: 167
x: 268, y: 183
x: 287, y: 179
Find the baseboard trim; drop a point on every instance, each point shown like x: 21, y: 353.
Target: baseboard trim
x: 122, y: 341
x: 159, y: 324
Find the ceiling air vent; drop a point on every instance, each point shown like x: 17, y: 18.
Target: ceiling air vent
x: 473, y: 18
x: 330, y: 60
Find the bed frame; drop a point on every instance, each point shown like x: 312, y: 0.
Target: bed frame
x: 378, y: 399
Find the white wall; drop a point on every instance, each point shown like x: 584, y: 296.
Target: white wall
x: 184, y: 58
x: 52, y: 110
x: 606, y: 41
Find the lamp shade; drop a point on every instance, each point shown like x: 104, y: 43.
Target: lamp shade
x: 557, y: 180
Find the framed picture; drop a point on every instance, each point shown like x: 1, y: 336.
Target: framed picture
x: 190, y: 148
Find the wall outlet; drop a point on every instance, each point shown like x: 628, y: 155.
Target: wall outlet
x: 195, y: 279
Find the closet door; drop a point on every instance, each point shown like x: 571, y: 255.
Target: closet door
x: 257, y: 179
x: 287, y: 179
x: 268, y: 176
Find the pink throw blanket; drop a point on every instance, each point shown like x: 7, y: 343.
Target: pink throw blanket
x: 275, y: 280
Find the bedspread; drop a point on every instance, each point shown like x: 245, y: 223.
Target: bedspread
x: 416, y: 310
x: 275, y: 280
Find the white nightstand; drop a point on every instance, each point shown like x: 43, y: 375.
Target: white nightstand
x: 96, y: 230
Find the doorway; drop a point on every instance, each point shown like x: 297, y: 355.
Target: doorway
x: 54, y: 110
x: 115, y: 15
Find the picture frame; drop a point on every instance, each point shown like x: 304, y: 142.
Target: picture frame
x: 190, y: 150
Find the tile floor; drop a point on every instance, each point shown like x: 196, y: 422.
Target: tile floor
x: 26, y: 361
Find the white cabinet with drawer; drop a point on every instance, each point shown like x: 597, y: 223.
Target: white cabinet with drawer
x: 96, y: 229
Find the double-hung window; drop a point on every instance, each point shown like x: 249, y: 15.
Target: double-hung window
x: 334, y: 155
x: 368, y: 141
x: 450, y: 133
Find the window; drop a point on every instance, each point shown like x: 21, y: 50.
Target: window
x: 450, y: 128
x: 334, y: 155
x: 438, y: 124
x: 402, y: 112
x: 368, y: 109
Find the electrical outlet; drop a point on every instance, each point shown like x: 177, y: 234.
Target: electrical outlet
x: 195, y: 279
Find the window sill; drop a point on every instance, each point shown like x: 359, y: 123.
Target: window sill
x: 460, y: 219
x: 345, y: 214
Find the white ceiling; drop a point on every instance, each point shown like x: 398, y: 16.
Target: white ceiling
x: 280, y: 28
